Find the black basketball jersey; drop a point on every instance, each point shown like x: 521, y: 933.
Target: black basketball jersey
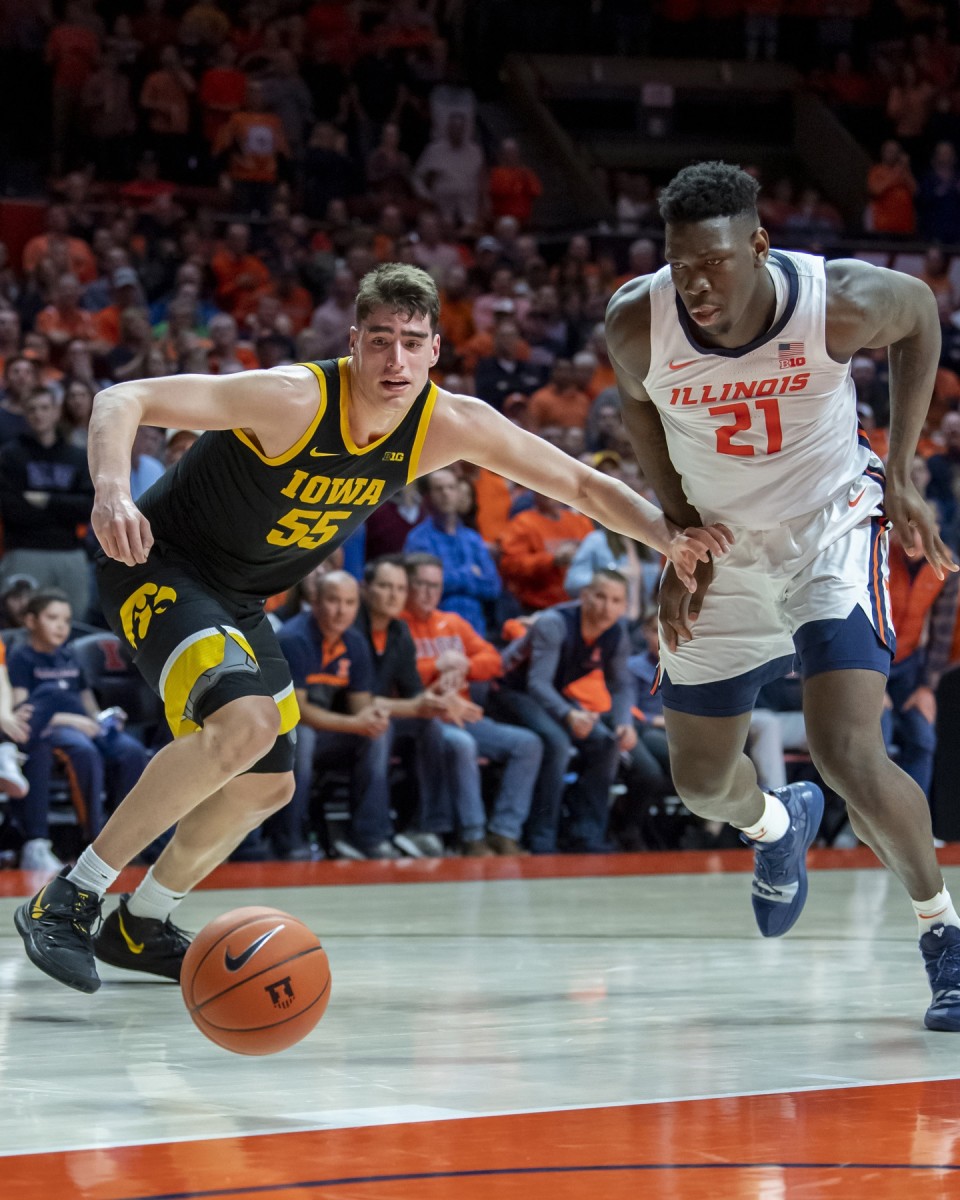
x: 252, y: 526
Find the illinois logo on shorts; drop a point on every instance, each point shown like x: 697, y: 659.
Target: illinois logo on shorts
x: 138, y: 610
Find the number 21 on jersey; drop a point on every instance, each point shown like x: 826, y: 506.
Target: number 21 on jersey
x: 745, y: 416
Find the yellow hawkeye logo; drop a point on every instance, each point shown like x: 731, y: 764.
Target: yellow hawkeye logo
x: 138, y: 610
x: 132, y: 946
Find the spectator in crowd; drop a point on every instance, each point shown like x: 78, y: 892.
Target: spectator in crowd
x: 504, y: 371
x: 938, y: 198
x: 341, y: 722
x: 105, y: 761
x: 145, y: 468
x: 451, y: 655
x: 15, y: 726
x: 63, y: 319
x: 176, y: 444
x: 450, y: 174
x: 21, y: 378
x: 45, y: 494
x: 536, y: 549
x: 634, y: 203
x: 223, y: 89
x: 606, y: 550
x: 253, y: 142
x: 227, y: 354
x: 329, y: 173
x: 560, y: 402
x: 413, y: 709
x: 72, y: 52
x: 925, y: 612
x: 287, y: 95
x: 109, y: 120
x: 389, y: 169
x: 456, y: 307
x: 567, y: 681
x: 76, y: 410
x: 57, y: 245
x: 240, y: 275
x: 432, y: 250
x: 513, y: 187
x: 388, y: 527
x: 166, y: 97
x: 944, y: 486
x: 501, y: 299
x: 332, y: 320
x: 909, y: 106
x: 469, y: 575
x: 10, y: 334
x: 892, y: 188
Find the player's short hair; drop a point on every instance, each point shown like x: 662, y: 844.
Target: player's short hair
x: 707, y: 190
x: 371, y: 568
x: 402, y: 288
x: 413, y: 562
x: 40, y: 601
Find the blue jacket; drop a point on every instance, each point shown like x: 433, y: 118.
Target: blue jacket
x: 469, y: 574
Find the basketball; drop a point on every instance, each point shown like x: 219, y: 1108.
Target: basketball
x: 255, y: 980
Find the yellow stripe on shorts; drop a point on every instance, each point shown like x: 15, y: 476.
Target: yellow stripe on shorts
x: 286, y: 701
x: 199, y: 653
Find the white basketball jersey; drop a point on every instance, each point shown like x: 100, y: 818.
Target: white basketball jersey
x: 763, y: 433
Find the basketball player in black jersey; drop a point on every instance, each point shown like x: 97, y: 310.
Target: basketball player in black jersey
x: 294, y: 461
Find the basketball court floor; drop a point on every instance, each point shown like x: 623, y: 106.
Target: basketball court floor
x: 548, y: 1029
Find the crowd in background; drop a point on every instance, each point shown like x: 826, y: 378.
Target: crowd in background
x: 222, y: 182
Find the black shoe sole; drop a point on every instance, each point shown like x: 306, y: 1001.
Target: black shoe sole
x: 51, y: 967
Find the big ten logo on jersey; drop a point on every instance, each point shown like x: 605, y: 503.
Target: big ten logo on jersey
x: 309, y: 528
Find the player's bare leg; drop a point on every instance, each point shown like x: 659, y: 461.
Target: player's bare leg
x: 716, y: 780
x: 57, y: 924
x: 187, y: 772
x: 841, y: 711
x: 205, y: 837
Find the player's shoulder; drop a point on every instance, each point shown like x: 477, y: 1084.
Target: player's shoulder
x: 629, y: 302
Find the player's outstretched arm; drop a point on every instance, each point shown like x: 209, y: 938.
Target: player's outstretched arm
x: 464, y: 427
x: 274, y: 406
x: 872, y: 307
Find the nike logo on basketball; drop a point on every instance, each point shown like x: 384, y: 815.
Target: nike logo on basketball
x: 679, y: 366
x: 132, y: 946
x: 853, y: 503
x: 234, y: 964
x: 322, y: 453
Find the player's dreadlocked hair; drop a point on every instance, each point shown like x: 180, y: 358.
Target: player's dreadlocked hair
x: 706, y: 190
x: 403, y: 288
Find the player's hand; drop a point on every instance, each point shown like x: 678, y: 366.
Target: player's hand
x: 679, y: 607
x: 695, y: 545
x: 925, y: 702
x: 916, y: 527
x: 122, y: 530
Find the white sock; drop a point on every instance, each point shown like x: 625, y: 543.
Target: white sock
x: 773, y: 824
x: 152, y: 899
x: 938, y: 910
x: 92, y: 874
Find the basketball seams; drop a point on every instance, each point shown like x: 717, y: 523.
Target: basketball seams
x: 274, y: 1024
x: 256, y: 975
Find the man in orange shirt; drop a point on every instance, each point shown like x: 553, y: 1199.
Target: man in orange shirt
x: 241, y: 276
x: 451, y: 655
x: 560, y: 402
x: 255, y: 142
x: 72, y: 250
x: 64, y: 320
x: 892, y: 187
x: 537, y: 547
x: 513, y: 187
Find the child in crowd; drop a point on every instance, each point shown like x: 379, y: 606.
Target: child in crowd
x: 65, y: 718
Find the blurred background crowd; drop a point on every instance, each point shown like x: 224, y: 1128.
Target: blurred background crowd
x: 199, y: 187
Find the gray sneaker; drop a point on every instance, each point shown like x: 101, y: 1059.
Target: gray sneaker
x: 417, y: 844
x: 384, y: 850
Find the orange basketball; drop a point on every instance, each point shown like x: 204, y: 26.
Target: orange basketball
x: 255, y: 980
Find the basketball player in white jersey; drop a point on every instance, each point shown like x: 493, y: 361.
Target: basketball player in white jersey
x: 733, y: 362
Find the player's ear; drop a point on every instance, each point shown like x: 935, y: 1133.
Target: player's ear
x: 435, y: 350
x: 761, y: 246
x: 354, y: 334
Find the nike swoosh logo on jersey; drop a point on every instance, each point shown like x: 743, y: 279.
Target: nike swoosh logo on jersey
x: 234, y: 964
x: 679, y: 366
x: 856, y: 501
x: 132, y: 946
x: 323, y: 453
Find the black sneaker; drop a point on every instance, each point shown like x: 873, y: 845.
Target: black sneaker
x: 56, y: 927
x: 141, y: 943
